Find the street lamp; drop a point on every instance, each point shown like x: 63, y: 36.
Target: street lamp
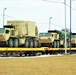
x: 4, y: 14
x: 50, y: 22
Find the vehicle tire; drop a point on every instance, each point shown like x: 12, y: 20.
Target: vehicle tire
x: 16, y: 42
x: 58, y: 44
x: 35, y: 43
x: 31, y: 44
x: 10, y: 42
x: 27, y: 43
x: 38, y: 44
x: 54, y: 44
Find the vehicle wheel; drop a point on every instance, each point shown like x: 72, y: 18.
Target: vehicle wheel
x: 54, y: 44
x: 16, y: 42
x: 27, y: 43
x: 31, y: 43
x: 10, y: 42
x: 38, y: 44
x: 57, y: 43
x: 35, y: 43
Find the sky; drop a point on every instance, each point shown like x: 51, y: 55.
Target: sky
x: 39, y: 11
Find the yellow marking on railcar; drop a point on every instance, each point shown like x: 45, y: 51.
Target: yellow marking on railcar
x: 3, y: 49
x: 22, y: 49
x: 52, y: 48
x: 33, y: 49
x: 71, y: 48
x: 56, y: 49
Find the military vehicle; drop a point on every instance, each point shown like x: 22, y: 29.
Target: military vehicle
x: 73, y: 39
x: 19, y: 32
x: 50, y: 39
x: 62, y: 38
x: 54, y: 38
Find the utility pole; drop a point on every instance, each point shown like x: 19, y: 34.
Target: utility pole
x: 65, y: 27
x: 50, y: 22
x: 4, y: 15
x: 70, y: 23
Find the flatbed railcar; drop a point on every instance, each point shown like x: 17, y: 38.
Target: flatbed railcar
x: 33, y: 51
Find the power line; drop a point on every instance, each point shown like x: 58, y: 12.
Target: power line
x: 71, y: 7
x: 53, y: 1
x: 42, y: 23
x: 52, y: 24
x: 11, y: 17
x: 59, y: 2
x: 57, y: 25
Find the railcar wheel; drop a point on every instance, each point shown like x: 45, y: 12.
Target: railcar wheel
x: 9, y: 54
x: 10, y: 42
x: 16, y: 42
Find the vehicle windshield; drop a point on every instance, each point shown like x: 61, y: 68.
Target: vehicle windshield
x: 73, y: 36
x: 44, y: 34
x: 1, y: 30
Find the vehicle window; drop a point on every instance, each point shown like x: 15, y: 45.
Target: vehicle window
x: 12, y: 33
x: 44, y: 34
x: 52, y: 35
x: 7, y: 31
x: 55, y: 35
x: 2, y: 30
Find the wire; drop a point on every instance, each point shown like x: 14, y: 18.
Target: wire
x: 11, y: 17
x: 42, y: 23
x: 53, y: 1
x: 52, y: 24
x: 59, y: 2
x: 73, y: 28
x: 71, y: 7
x: 57, y: 25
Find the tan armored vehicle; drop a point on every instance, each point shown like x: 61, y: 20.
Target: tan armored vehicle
x: 73, y: 39
x: 19, y: 32
x: 50, y: 39
x: 53, y: 38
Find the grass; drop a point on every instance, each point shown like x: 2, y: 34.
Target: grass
x: 61, y: 65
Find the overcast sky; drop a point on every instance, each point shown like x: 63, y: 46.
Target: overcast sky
x: 39, y: 11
